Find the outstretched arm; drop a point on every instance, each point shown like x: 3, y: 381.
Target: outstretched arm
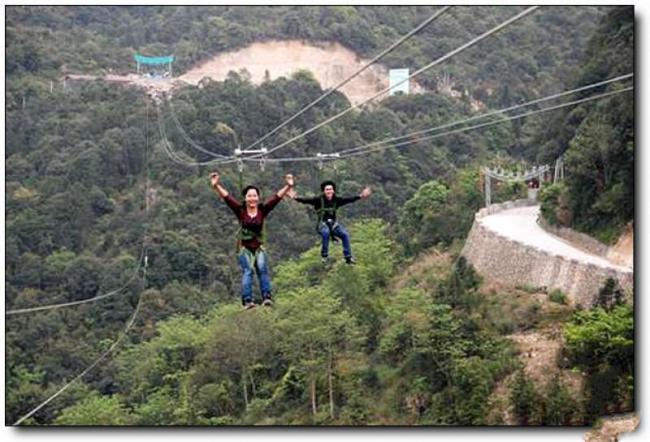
x: 294, y: 196
x: 365, y: 193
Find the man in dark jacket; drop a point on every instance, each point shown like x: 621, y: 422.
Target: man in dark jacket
x: 326, y: 206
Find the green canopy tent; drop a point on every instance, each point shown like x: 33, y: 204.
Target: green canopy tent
x: 154, y: 61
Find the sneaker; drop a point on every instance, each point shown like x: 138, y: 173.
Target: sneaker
x: 268, y: 302
x: 350, y: 260
x: 324, y: 259
x: 249, y: 305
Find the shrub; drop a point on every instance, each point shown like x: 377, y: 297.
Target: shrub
x: 558, y: 296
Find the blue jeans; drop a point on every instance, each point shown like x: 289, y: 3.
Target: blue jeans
x: 339, y: 232
x: 258, y: 260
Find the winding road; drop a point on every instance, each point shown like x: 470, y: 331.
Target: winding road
x: 520, y: 224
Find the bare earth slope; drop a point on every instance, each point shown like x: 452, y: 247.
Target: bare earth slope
x: 329, y: 62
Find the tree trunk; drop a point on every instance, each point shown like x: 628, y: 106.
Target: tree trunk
x: 243, y: 383
x: 312, y: 387
x: 250, y: 375
x: 313, y: 394
x: 330, y: 369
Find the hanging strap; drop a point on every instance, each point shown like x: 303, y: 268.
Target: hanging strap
x: 319, y: 166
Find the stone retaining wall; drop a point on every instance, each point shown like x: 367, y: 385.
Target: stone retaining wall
x: 505, y: 260
x: 577, y: 239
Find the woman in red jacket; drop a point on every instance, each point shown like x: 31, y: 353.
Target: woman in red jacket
x: 251, y: 214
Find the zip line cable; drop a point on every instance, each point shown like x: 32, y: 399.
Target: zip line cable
x: 135, y: 313
x: 122, y: 335
x: 451, y: 124
x: 478, y: 126
x: 515, y: 117
x: 112, y: 292
x: 414, y: 31
x: 354, y: 75
x: 461, y: 48
x: 419, y: 71
x: 168, y: 149
x: 83, y: 301
x: 365, y: 148
x: 129, y: 324
x: 496, y: 112
x: 187, y: 138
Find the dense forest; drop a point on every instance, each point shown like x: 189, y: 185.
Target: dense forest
x: 597, y: 140
x: 369, y: 344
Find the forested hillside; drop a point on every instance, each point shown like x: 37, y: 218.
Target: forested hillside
x: 597, y: 140
x: 524, y: 61
x: 343, y: 345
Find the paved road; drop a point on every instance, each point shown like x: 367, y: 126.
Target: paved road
x: 520, y: 224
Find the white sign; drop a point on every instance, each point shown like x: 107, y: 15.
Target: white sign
x: 397, y: 76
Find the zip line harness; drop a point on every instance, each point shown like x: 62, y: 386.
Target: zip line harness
x: 327, y: 213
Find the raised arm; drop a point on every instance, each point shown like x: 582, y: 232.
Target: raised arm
x: 289, y: 183
x: 216, y: 185
x: 223, y: 193
x: 275, y: 199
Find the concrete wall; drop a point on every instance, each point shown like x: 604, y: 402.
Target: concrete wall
x: 502, y: 259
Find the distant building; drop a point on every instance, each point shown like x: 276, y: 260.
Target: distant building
x: 397, y: 76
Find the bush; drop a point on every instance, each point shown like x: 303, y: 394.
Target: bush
x: 558, y: 296
x: 530, y: 288
x: 554, y: 204
x: 559, y: 407
x: 610, y: 295
x: 510, y: 191
x: 505, y: 326
x: 523, y: 397
x: 601, y: 342
x: 96, y: 410
x: 598, y: 336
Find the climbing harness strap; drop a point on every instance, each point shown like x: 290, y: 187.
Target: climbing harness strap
x: 331, y: 211
x: 251, y: 257
x: 244, y: 234
x: 325, y: 210
x: 331, y: 227
x: 248, y: 234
